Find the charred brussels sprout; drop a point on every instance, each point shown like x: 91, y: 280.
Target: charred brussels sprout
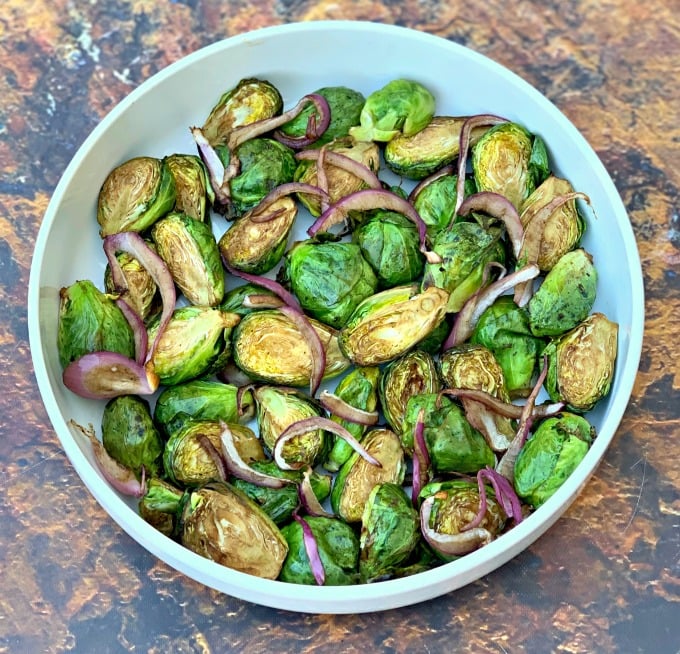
x: 249, y: 101
x: 200, y: 400
x: 190, y: 251
x: 161, y: 506
x: 465, y: 249
x: 135, y: 195
x: 566, y: 295
x: 192, y: 188
x: 550, y: 456
x: 511, y: 161
x: 268, y: 346
x: 130, y: 436
x: 195, y: 342
x: 338, y: 549
x: 345, y: 105
x: 357, y: 477
x: 256, y: 247
x: 400, y: 107
x: 141, y: 293
x: 90, y: 321
x: 388, y: 324
x: 436, y: 202
x: 390, y: 244
x: 415, y: 373
x: 329, y: 279
x: 222, y: 524
x: 581, y: 363
x: 389, y: 532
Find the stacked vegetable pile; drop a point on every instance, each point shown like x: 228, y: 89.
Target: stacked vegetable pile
x: 444, y: 312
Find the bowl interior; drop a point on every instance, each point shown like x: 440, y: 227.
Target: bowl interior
x: 299, y: 58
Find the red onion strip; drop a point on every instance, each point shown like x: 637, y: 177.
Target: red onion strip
x: 258, y: 214
x: 356, y: 168
x: 337, y: 406
x: 219, y: 176
x: 138, y: 329
x: 423, y: 183
x: 505, y: 409
x: 243, y: 408
x: 267, y: 283
x: 312, y: 550
x: 215, y: 455
x: 309, y: 499
x: 421, y: 458
x: 322, y: 177
x: 262, y: 301
x: 505, y: 494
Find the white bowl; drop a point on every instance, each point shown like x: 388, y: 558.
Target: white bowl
x: 298, y: 58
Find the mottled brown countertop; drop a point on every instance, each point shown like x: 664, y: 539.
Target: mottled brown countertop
x: 605, y: 578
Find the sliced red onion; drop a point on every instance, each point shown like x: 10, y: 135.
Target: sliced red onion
x: 322, y: 177
x: 121, y: 478
x: 141, y: 336
x: 483, y: 420
x: 505, y: 494
x: 480, y: 120
x: 468, y: 316
x: 133, y: 244
x: 309, y: 499
x: 241, y: 407
x: 215, y: 456
x: 337, y: 406
x: 259, y: 213
x: 356, y: 168
x: 239, y: 468
x: 232, y: 374
x: 267, y: 283
x: 104, y: 375
x: 312, y: 424
x: 367, y: 200
x: 219, y: 175
x: 501, y: 208
x: 421, y: 458
x: 262, y: 301
x: 312, y: 550
x: 424, y: 183
x: 506, y: 409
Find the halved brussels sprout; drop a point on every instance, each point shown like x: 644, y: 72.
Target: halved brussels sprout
x: 436, y: 202
x: 193, y: 193
x: 142, y: 293
x: 161, y: 506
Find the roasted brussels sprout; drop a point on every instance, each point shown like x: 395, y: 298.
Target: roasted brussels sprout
x: 436, y: 202
x: 256, y: 247
x: 130, y: 436
x: 195, y: 342
x: 391, y: 245
x: 566, y: 295
x: 546, y: 460
x: 388, y: 324
x: 249, y: 101
x: 414, y: 373
x: 161, y: 506
x: 390, y: 532
x: 345, y: 105
x: 90, y: 321
x: 581, y: 363
x: 509, y: 160
x: 135, y: 195
x: 465, y: 249
x: 142, y: 293
x: 268, y: 346
x: 222, y: 524
x: 338, y: 549
x: 190, y: 252
x: 400, y: 107
x: 329, y: 279
x: 201, y: 399
x: 357, y: 477
x: 193, y: 193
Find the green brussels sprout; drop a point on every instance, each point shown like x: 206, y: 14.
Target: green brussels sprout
x: 562, y: 230
x: 455, y: 505
x: 338, y: 548
x: 390, y: 244
x: 504, y: 329
x: 390, y: 531
x: 130, y: 436
x: 340, y: 182
x: 277, y: 409
x: 233, y: 299
x: 142, y: 293
x: 452, y: 443
x: 264, y: 164
x: 359, y: 388
x: 357, y: 477
x: 280, y: 503
x: 200, y: 399
x: 194, y: 343
x: 329, y: 279
x: 249, y: 101
x: 345, y: 105
x: 267, y: 345
x: 581, y: 363
x: 388, y: 324
x: 400, y: 107
x: 414, y: 373
x: 436, y: 202
x: 161, y: 506
x: 90, y: 321
x: 511, y: 161
x: 135, y: 195
x: 256, y: 247
x: 465, y: 249
x: 566, y: 295
x: 193, y: 191
x: 434, y: 341
x: 190, y: 252
x: 549, y: 456
x: 222, y: 524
